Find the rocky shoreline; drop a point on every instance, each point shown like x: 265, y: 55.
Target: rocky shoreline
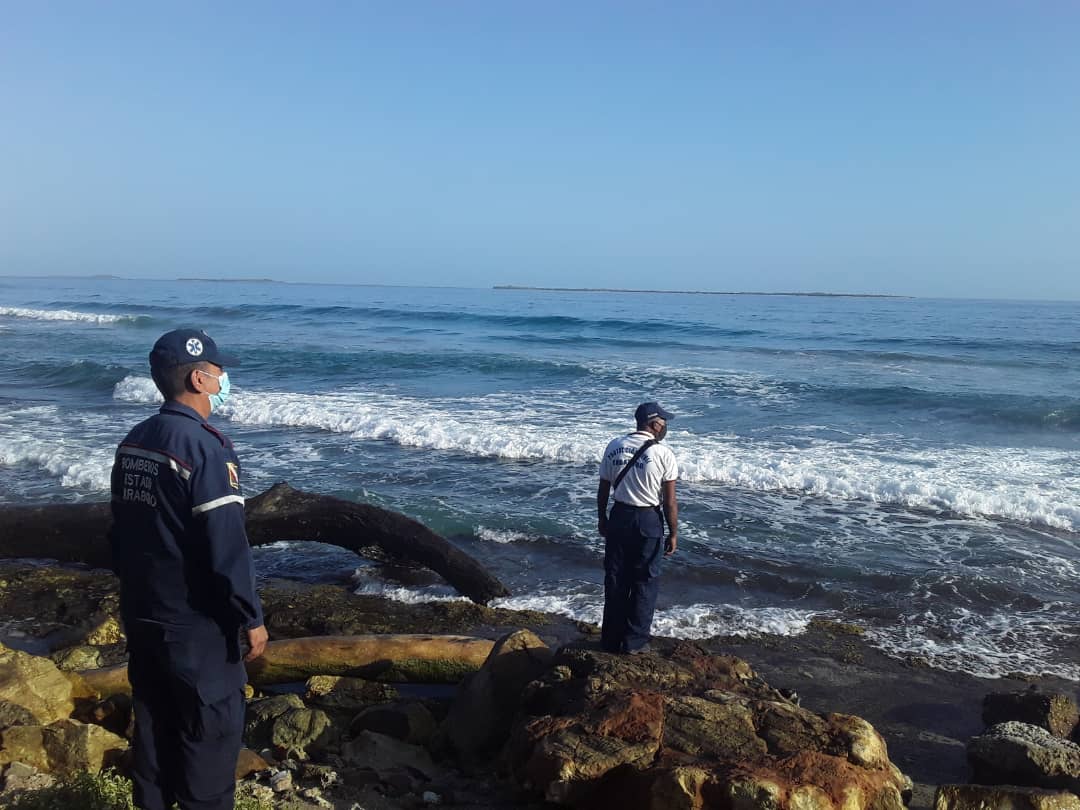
x: 926, y: 716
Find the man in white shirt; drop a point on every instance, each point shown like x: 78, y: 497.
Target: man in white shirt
x: 640, y: 473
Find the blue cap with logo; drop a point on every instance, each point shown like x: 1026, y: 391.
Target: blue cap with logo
x: 182, y: 346
x: 648, y: 411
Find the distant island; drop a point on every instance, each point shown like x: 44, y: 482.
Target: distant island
x: 237, y: 280
x: 695, y: 292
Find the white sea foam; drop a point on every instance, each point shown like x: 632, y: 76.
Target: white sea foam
x: 1028, y: 485
x: 33, y: 437
x: 136, y: 389
x: 503, y: 536
x: 1022, y: 484
x: 705, y: 621
x: 986, y: 646
x: 691, y: 622
x: 365, y: 584
x: 586, y: 607
x: 65, y: 315
x: 499, y: 432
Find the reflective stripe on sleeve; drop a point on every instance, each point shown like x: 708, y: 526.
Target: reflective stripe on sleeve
x: 214, y: 504
x: 174, y: 465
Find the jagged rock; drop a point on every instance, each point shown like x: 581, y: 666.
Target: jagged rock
x: 314, y: 795
x: 302, y: 731
x: 62, y: 748
x: 12, y: 714
x: 21, y: 778
x: 281, y: 782
x: 261, y: 714
x: 261, y: 795
x: 864, y: 745
x: 483, y: 711
x: 341, y: 692
x: 707, y: 728
x: 1057, y: 713
x: 323, y: 774
x: 385, y: 755
x: 107, y: 632
x: 36, y: 684
x: 409, y: 722
x: 982, y: 797
x: 248, y: 763
x: 690, y: 730
x: 75, y: 658
x: 1022, y: 754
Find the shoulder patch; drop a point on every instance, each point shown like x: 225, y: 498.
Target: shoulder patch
x: 234, y: 474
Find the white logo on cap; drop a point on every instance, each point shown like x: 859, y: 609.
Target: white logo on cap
x: 194, y: 347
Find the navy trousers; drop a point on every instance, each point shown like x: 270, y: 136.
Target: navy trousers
x: 633, y: 549
x: 189, y: 721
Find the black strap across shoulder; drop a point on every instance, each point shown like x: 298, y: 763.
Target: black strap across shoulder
x: 631, y: 463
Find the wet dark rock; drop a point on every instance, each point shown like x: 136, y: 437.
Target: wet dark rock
x: 113, y: 713
x: 483, y: 711
x: 295, y: 611
x: 1007, y: 797
x: 1021, y: 754
x: 409, y: 722
x: 1056, y: 712
x: 341, y: 693
x: 387, y: 756
x: 57, y: 599
x: 325, y: 775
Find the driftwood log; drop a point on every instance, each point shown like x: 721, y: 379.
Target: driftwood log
x: 400, y: 658
x: 78, y: 532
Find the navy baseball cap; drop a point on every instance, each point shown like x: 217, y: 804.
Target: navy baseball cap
x: 182, y: 346
x: 648, y: 411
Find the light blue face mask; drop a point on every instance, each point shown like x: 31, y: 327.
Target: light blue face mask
x: 222, y: 396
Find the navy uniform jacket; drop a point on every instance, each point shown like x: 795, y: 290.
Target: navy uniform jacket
x: 179, y: 546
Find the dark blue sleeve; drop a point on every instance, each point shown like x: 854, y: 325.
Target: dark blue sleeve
x: 218, y: 505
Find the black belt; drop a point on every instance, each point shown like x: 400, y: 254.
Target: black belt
x: 631, y: 506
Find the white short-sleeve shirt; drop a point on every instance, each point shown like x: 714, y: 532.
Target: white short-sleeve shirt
x: 642, y: 486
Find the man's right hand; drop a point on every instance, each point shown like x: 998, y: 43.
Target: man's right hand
x: 257, y: 638
x: 601, y: 526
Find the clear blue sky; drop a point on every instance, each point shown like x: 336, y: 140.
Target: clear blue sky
x: 922, y: 148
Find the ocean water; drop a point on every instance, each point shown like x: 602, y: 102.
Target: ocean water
x: 911, y: 466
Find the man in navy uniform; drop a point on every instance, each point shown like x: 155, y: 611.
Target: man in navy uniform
x: 187, y: 583
x: 640, y: 473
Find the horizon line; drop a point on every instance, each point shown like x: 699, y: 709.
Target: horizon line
x: 526, y: 288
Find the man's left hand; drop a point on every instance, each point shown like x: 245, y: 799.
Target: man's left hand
x: 257, y: 638
x: 671, y: 544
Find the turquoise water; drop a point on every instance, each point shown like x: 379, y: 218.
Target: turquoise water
x: 909, y: 465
